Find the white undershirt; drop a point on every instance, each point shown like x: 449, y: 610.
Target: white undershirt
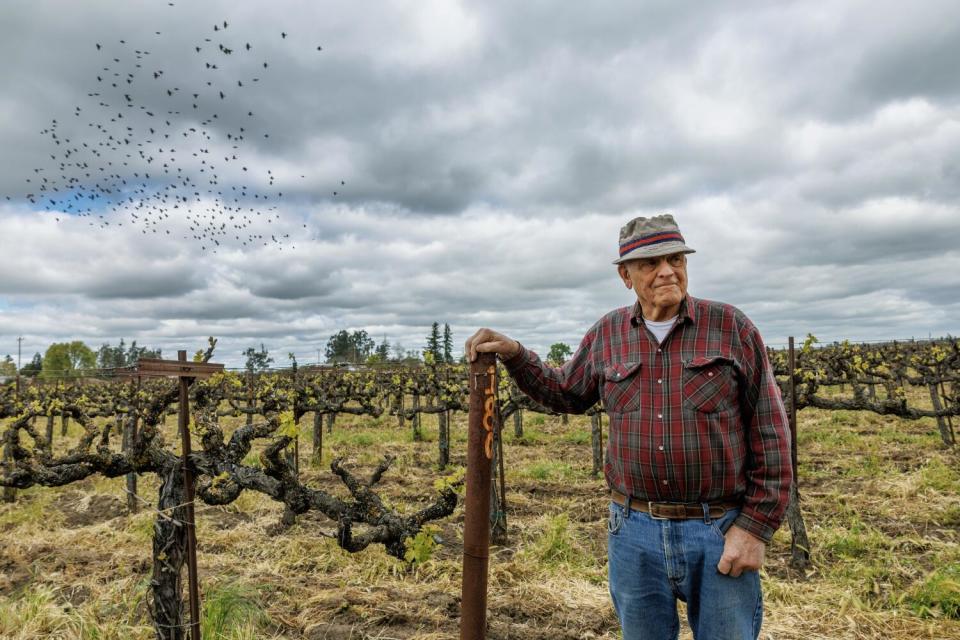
x: 660, y: 329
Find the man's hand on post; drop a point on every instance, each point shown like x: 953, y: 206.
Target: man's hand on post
x: 742, y: 551
x: 489, y: 341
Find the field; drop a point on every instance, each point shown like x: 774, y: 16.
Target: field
x: 881, y: 500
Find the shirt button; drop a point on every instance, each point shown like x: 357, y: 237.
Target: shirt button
x: 660, y: 447
x: 665, y: 482
x: 660, y: 415
x: 659, y: 350
x: 659, y: 380
x: 710, y: 375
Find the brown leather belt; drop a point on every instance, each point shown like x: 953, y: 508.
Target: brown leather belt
x: 673, y: 510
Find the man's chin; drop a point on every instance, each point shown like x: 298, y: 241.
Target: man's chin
x: 668, y: 298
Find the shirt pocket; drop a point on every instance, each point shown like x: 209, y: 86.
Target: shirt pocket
x: 621, y: 387
x: 709, y: 384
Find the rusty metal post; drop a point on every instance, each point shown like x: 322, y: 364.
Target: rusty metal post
x: 188, y: 493
x: 476, y: 524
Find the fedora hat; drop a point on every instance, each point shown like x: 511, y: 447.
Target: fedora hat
x: 650, y: 237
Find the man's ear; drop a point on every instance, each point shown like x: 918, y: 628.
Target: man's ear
x: 625, y: 275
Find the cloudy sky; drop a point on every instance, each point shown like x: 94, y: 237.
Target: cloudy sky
x: 484, y: 156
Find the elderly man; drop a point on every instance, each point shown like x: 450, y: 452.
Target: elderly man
x: 698, y: 457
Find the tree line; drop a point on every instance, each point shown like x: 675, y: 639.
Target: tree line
x: 358, y: 347
x: 73, y: 359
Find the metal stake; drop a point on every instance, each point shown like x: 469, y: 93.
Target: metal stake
x: 476, y: 525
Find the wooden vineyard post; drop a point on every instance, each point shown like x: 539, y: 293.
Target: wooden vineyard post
x: 596, y: 443
x: 415, y: 421
x: 185, y: 372
x: 129, y: 436
x: 943, y: 392
x: 498, y: 487
x: 9, y: 493
x: 946, y: 432
x: 317, y: 454
x: 799, y: 543
x: 443, y: 440
x: 188, y: 492
x: 476, y: 525
x: 793, y: 409
x: 331, y: 419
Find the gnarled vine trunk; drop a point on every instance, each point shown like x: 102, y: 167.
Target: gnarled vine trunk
x: 169, y: 556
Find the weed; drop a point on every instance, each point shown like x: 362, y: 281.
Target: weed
x: 577, y: 436
x: 857, y: 542
x: 939, y: 594
x: 535, y: 420
x: 33, y: 507
x: 232, y: 612
x: 555, y: 545
x: 531, y: 437
x: 938, y: 476
x: 548, y: 470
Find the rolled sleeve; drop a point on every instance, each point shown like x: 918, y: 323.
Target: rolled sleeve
x: 769, y: 470
x: 571, y: 388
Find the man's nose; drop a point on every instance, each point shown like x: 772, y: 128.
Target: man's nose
x: 665, y: 269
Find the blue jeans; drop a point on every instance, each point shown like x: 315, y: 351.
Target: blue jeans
x: 654, y: 562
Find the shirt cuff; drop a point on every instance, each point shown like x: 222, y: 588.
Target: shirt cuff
x: 755, y: 527
x: 516, y: 360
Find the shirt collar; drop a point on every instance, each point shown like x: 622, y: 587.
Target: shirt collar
x: 687, y: 312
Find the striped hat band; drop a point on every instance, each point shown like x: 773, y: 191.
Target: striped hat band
x: 649, y: 240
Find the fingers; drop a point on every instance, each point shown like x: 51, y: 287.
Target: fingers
x: 734, y: 565
x: 489, y: 341
x: 741, y: 552
x: 481, y: 337
x: 731, y: 566
x: 725, y: 565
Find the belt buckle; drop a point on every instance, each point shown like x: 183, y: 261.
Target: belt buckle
x: 650, y: 504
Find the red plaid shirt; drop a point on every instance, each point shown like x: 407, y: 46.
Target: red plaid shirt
x: 695, y: 419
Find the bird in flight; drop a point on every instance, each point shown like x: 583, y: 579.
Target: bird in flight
x: 119, y: 164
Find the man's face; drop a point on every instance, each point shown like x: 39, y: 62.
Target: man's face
x: 659, y: 282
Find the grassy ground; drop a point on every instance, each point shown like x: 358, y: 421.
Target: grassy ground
x: 881, y: 500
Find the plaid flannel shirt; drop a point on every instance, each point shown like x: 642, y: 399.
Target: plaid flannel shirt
x: 695, y: 419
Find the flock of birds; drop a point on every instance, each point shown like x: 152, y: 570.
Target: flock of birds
x: 157, y: 155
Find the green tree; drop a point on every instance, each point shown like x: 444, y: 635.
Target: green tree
x: 134, y: 353
x: 67, y: 359
x: 433, y: 343
x: 349, y: 346
x: 110, y: 357
x: 381, y: 353
x: 559, y: 352
x: 447, y: 344
x: 257, y: 361
x: 34, y: 367
x: 8, y: 367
